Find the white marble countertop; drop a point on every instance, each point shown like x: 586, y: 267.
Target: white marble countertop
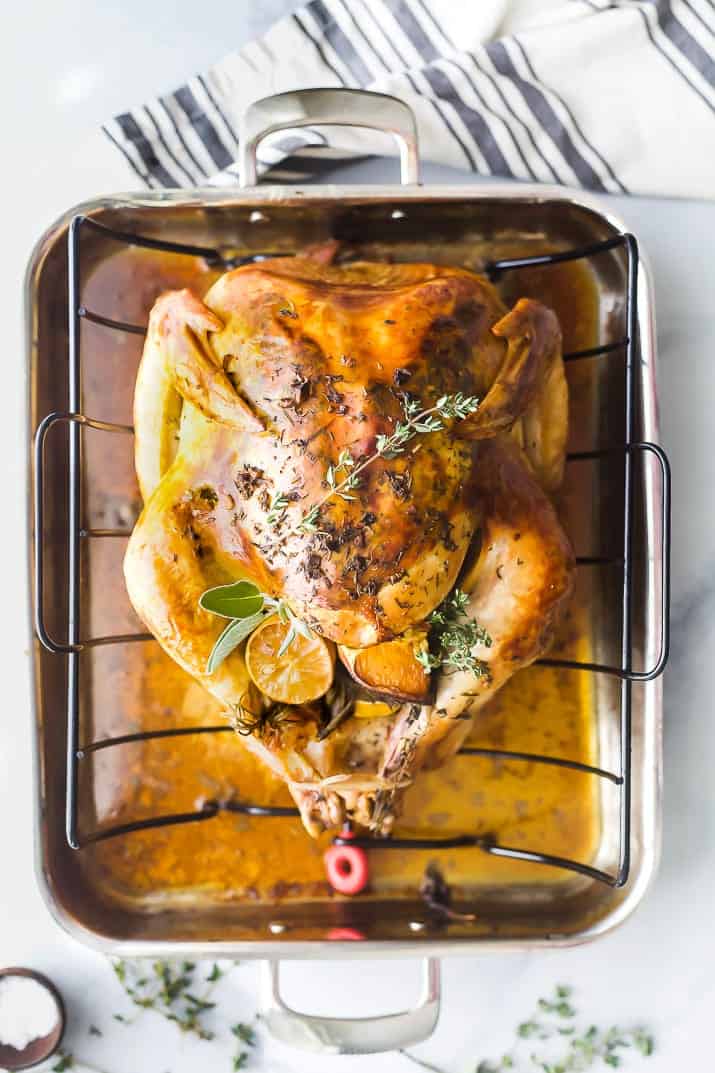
x: 66, y: 67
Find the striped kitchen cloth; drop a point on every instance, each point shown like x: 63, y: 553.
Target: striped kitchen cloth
x: 614, y: 95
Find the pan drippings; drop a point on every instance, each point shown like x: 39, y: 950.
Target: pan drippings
x: 135, y: 688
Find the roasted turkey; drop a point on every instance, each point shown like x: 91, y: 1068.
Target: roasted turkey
x: 247, y: 405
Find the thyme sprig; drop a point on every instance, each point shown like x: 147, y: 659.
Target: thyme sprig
x: 277, y: 508
x: 550, y: 1041
x: 180, y: 992
x: 245, y: 1035
x: 309, y: 523
x: 65, y: 1062
x: 417, y: 421
x: 169, y: 989
x: 343, y: 486
x: 453, y: 637
x: 567, y: 1049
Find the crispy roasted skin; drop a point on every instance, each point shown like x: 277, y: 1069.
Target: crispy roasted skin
x: 254, y: 392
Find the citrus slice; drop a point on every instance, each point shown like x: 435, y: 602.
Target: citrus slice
x: 303, y: 673
x: 372, y: 709
x: 392, y: 669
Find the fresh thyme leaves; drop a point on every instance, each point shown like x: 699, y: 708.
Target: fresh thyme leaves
x: 560, y: 1048
x: 644, y: 1042
x: 277, y: 508
x: 429, y: 661
x: 66, y: 1061
x: 169, y: 989
x: 345, y: 462
x: 565, y: 1047
x: 457, y: 407
x: 309, y: 522
x: 346, y: 484
x: 420, y: 421
x: 417, y: 421
x: 244, y: 1034
x: 246, y: 606
x: 453, y: 636
x: 560, y: 1005
x: 94, y: 1031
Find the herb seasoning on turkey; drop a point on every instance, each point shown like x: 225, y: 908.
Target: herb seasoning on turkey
x: 362, y: 442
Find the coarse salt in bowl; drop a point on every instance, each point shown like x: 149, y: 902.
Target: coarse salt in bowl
x: 31, y: 1018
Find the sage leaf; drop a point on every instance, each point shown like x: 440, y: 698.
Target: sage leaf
x: 240, y: 600
x: 231, y: 637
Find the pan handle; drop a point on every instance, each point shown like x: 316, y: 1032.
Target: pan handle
x: 350, y: 1035
x: 59, y: 648
x: 329, y: 107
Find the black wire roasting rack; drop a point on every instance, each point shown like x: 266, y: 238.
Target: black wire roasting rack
x: 75, y: 646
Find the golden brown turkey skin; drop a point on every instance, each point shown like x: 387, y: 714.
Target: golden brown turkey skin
x: 517, y: 591
x: 253, y: 394
x: 319, y: 359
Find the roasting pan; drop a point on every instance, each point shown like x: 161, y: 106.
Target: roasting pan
x: 82, y: 361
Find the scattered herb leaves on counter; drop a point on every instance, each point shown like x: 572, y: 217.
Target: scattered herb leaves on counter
x: 94, y: 1031
x: 561, y: 1048
x: 643, y: 1042
x: 418, y: 421
x: 246, y: 606
x: 453, y: 636
x: 168, y: 988
x: 245, y: 1034
x: 66, y: 1061
x: 559, y: 1005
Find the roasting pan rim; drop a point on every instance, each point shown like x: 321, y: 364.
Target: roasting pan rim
x: 650, y: 802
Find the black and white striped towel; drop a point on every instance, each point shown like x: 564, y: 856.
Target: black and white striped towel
x: 614, y: 95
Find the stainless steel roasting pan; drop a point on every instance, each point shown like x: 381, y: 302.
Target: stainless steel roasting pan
x: 613, y: 444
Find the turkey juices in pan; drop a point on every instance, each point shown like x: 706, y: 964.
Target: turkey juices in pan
x: 372, y: 447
